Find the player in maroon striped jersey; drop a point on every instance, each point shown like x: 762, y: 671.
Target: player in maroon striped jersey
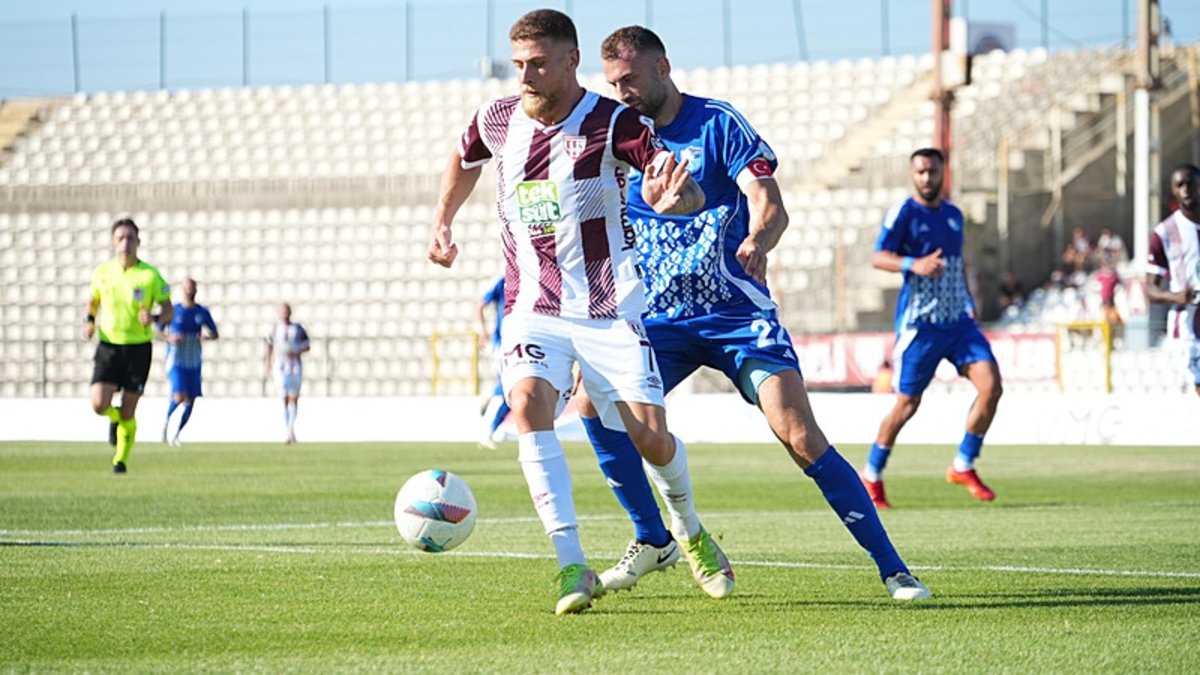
x: 573, y: 291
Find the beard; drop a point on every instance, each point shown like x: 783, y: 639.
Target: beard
x: 930, y: 192
x: 651, y: 104
x: 539, y: 105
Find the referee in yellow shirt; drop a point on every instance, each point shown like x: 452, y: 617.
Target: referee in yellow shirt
x: 124, y: 292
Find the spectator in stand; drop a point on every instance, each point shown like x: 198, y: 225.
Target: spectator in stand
x: 1110, y: 248
x: 1011, y: 293
x: 1109, y: 280
x: 1077, y: 256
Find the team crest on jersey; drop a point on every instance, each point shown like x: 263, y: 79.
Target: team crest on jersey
x: 692, y: 156
x: 139, y: 294
x: 537, y: 202
x: 574, y: 146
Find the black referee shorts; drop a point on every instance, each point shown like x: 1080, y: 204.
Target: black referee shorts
x: 126, y: 366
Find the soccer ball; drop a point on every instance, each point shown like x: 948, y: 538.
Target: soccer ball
x: 435, y: 511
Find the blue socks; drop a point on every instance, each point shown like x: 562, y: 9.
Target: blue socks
x: 501, y: 413
x: 968, y: 452
x: 876, y: 461
x: 171, y: 410
x: 187, y: 414
x: 622, y: 466
x: 844, y: 491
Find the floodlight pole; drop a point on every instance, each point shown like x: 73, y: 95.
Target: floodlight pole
x: 1145, y: 150
x: 943, y: 98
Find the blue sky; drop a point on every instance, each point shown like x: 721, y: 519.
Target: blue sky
x: 119, y: 45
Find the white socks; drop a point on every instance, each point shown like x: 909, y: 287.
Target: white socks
x: 674, y: 483
x: 549, y: 480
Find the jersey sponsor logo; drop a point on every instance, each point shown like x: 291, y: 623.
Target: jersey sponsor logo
x: 760, y: 168
x: 574, y: 146
x: 529, y: 353
x: 537, y: 202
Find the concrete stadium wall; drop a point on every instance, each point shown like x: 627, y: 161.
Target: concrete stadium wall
x: 1040, y: 419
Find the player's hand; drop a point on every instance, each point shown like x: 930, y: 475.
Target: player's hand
x: 176, y: 338
x: 442, y: 250
x: 144, y: 316
x: 664, y: 181
x: 932, y: 265
x: 753, y: 259
x: 89, y: 329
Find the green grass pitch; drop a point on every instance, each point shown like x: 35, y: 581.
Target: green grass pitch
x: 234, y: 558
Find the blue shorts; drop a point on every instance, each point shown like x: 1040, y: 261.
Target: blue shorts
x: 919, y: 351
x: 185, y: 381
x: 726, y: 342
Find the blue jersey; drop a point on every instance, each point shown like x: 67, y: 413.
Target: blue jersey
x: 495, y: 296
x: 689, y: 262
x: 913, y: 229
x: 187, y: 323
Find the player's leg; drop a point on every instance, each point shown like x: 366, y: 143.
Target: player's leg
x: 105, y: 375
x: 784, y: 401
x: 175, y: 380
x: 1194, y: 363
x: 537, y: 381
x: 916, y: 357
x: 192, y: 390
x: 973, y: 356
x: 620, y: 372
x: 137, y: 363
x: 652, y: 547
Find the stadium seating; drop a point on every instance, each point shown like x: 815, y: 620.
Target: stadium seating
x: 322, y: 196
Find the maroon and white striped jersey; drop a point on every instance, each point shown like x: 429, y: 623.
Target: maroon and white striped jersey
x: 1175, y: 255
x: 569, y: 248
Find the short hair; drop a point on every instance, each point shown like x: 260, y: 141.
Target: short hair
x: 545, y: 23
x: 638, y: 38
x: 928, y: 153
x: 125, y: 222
x: 1189, y: 167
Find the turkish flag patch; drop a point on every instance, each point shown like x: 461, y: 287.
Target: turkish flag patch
x: 761, y: 168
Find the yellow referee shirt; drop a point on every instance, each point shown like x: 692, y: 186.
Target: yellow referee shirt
x: 122, y: 292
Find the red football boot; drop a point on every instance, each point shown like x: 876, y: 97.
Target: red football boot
x: 970, y: 480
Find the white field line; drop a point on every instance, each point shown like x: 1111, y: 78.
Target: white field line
x: 35, y: 538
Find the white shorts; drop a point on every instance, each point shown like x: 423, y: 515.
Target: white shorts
x: 288, y: 384
x: 614, y: 356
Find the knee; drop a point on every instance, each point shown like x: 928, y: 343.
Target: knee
x: 99, y: 407
x: 657, y: 446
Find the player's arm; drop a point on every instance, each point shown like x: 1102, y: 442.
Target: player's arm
x: 270, y: 353
x: 1158, y: 288
x: 208, y: 331
x: 457, y: 183
x: 302, y: 344
x: 89, y: 319
x: 930, y: 265
x: 768, y: 220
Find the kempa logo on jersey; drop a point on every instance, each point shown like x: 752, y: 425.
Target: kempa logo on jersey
x: 537, y: 202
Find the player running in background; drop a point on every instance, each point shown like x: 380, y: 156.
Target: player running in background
x: 193, y: 323
x: 709, y: 306
x: 497, y: 408
x: 286, y: 344
x: 124, y: 292
x: 1173, y: 275
x: 922, y: 238
x: 573, y: 291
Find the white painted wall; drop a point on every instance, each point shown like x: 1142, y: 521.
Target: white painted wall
x: 1116, y: 419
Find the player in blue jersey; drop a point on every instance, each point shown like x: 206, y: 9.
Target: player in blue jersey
x: 705, y: 275
x: 496, y: 408
x: 922, y: 238
x: 193, y: 324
